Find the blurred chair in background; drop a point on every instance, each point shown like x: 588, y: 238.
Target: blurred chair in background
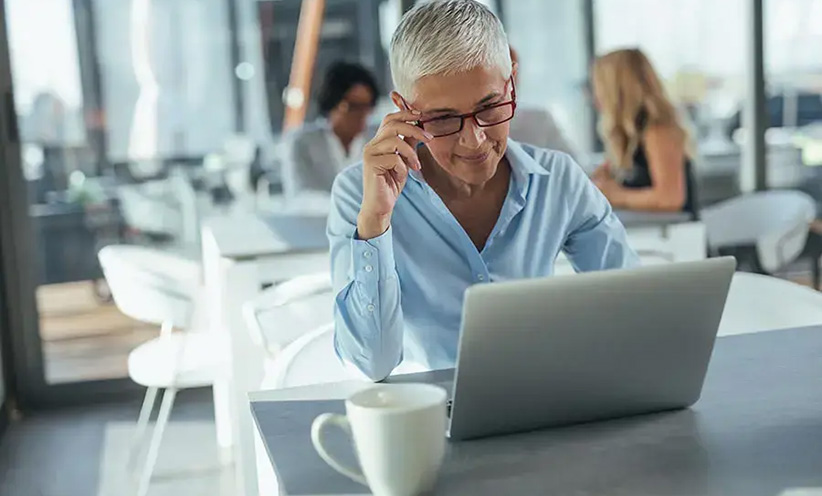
x: 765, y: 231
x: 159, y: 288
x: 151, y: 210
x: 239, y: 155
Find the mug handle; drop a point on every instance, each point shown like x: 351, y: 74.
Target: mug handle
x: 317, y: 430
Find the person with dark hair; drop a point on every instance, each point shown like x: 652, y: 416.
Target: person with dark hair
x: 316, y: 152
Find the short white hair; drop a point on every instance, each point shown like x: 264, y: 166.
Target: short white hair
x: 442, y: 37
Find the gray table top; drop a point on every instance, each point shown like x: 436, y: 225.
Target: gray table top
x: 757, y: 430
x: 634, y: 218
x: 249, y: 235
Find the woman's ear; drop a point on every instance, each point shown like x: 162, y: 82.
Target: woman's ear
x: 514, y: 71
x: 398, y: 101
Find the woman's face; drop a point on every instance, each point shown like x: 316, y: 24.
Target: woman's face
x: 351, y: 115
x: 473, y: 154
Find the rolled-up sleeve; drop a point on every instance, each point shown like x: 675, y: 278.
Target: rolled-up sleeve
x: 368, y: 317
x: 596, y: 239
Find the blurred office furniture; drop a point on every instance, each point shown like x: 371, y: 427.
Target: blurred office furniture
x: 807, y: 109
x: 159, y: 288
x: 293, y: 311
x: 68, y: 236
x: 813, y: 253
x: 758, y: 302
x: 242, y: 253
x: 718, y: 168
x: 765, y: 231
x: 294, y: 323
x: 150, y: 209
x: 281, y: 314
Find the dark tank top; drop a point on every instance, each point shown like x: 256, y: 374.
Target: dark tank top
x: 639, y: 176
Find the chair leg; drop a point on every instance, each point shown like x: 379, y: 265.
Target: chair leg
x: 142, y: 424
x: 156, y: 439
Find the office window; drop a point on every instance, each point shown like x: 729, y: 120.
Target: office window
x: 793, y: 70
x: 48, y: 93
x: 549, y: 38
x: 166, y: 76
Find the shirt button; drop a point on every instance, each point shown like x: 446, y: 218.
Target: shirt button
x: 369, y: 268
x: 367, y: 254
x: 370, y: 307
x: 480, y: 277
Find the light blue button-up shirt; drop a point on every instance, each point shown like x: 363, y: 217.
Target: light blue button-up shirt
x: 399, y: 296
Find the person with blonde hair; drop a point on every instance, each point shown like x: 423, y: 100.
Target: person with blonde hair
x: 443, y: 199
x: 649, y: 158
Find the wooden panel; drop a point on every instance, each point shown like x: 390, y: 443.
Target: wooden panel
x: 302, y: 67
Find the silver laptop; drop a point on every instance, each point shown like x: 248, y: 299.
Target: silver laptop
x: 546, y: 352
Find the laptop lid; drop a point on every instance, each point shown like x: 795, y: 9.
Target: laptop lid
x: 560, y: 350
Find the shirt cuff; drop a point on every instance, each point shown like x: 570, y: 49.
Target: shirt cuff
x: 373, y: 260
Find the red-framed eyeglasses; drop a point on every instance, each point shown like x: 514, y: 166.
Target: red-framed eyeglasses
x: 493, y: 115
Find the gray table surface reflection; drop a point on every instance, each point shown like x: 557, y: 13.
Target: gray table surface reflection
x: 757, y: 430
x: 638, y: 218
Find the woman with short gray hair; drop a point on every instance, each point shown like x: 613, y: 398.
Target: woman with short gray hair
x: 443, y: 199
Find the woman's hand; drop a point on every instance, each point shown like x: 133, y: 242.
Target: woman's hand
x: 609, y: 186
x: 601, y: 172
x: 386, y: 162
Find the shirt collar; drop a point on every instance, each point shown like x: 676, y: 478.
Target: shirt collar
x: 522, y: 164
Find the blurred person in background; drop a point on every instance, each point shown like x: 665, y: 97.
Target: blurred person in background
x: 316, y: 152
x: 536, y: 126
x: 649, y: 157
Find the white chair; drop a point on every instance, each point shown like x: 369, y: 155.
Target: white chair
x: 767, y: 230
x: 278, y: 317
x: 283, y: 313
x: 238, y: 153
x: 160, y: 288
x: 761, y: 303
x: 150, y: 208
x: 294, y: 322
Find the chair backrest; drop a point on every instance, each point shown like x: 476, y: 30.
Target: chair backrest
x: 310, y: 359
x: 150, y: 285
x: 775, y: 222
x: 760, y: 303
x: 283, y: 313
x: 238, y: 153
x: 149, y: 207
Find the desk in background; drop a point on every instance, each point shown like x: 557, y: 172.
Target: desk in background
x: 755, y: 432
x: 243, y: 252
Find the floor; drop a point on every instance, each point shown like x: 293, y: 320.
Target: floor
x: 85, y: 338
x: 74, y: 452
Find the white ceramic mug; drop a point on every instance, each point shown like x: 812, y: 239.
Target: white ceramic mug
x: 399, y: 436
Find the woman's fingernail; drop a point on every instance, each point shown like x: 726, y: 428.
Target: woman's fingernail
x: 428, y: 135
x: 416, y: 112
